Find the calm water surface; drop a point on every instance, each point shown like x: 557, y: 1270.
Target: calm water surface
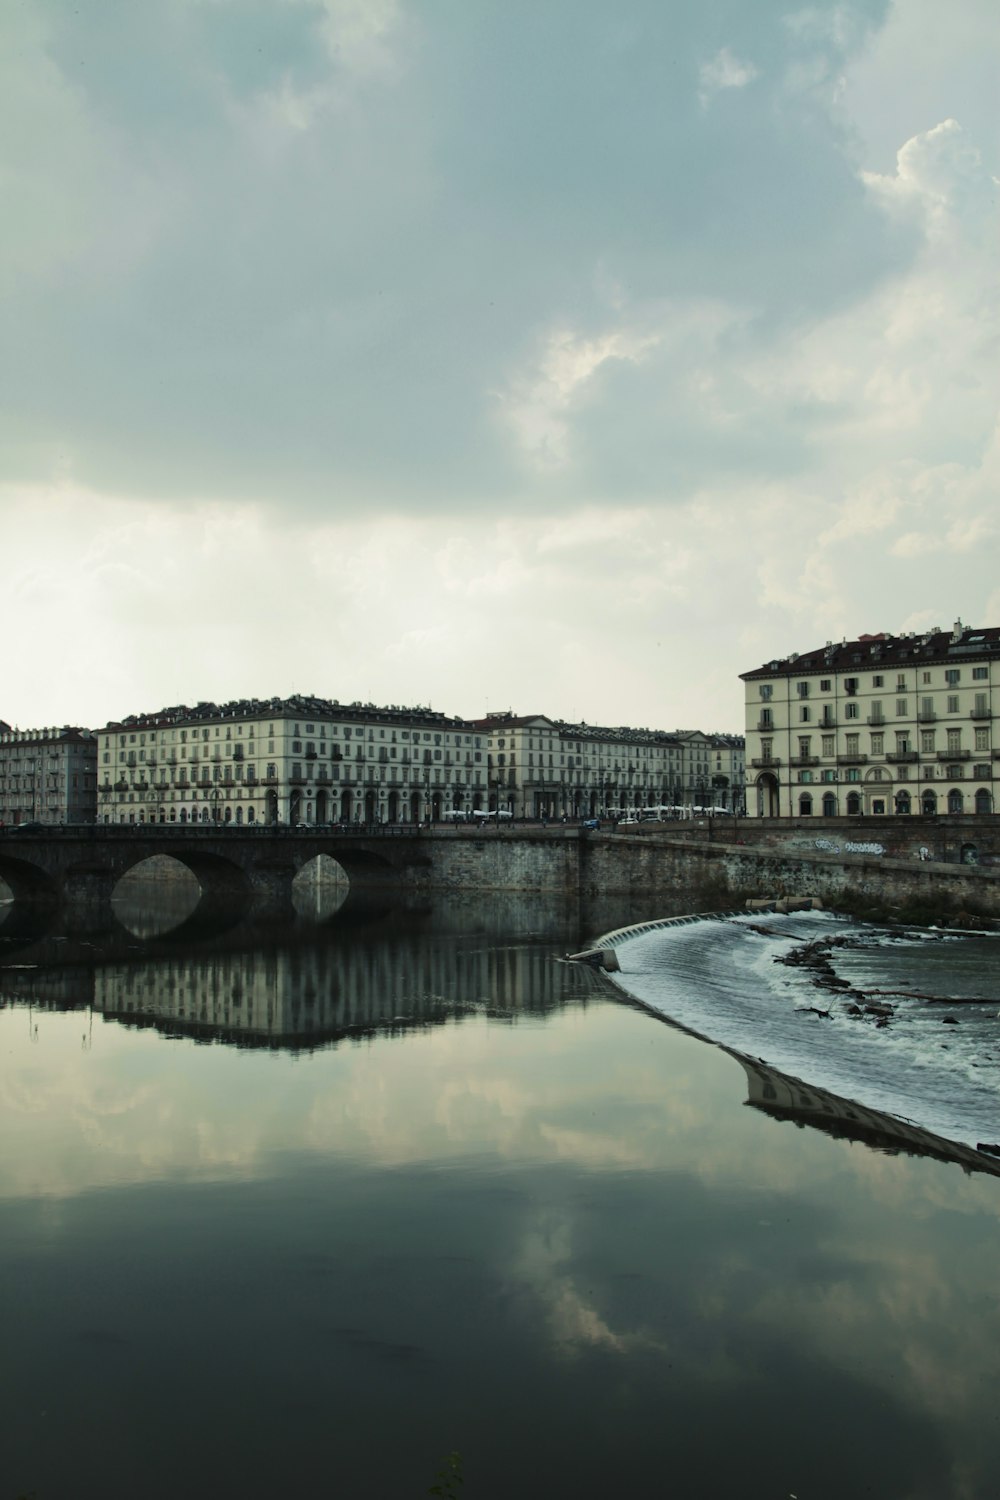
x: 299, y: 1208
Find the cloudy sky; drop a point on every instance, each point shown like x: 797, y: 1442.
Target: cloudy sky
x: 558, y: 355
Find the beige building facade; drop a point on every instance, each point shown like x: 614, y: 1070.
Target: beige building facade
x: 293, y: 761
x: 883, y: 724
x: 546, y: 768
x: 47, y: 776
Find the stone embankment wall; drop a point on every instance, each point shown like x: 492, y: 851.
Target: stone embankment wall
x: 947, y: 839
x: 724, y: 873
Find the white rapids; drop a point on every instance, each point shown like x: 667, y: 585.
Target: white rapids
x: 719, y: 979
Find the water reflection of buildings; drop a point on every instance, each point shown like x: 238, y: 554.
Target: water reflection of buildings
x: 310, y: 996
x: 786, y: 1098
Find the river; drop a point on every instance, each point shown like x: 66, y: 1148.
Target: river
x: 302, y: 1207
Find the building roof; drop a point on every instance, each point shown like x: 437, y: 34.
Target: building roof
x: 68, y: 734
x: 298, y: 706
x: 964, y: 642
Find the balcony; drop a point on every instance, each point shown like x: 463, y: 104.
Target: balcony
x: 827, y: 722
x: 927, y: 717
x: 804, y: 760
x: 980, y: 713
x: 766, y: 762
x: 766, y: 726
x: 902, y: 757
x: 954, y: 755
x: 851, y: 760
x: 877, y: 719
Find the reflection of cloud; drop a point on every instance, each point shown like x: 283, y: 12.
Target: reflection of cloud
x: 573, y: 1321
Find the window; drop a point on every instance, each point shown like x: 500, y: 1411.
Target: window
x: 853, y: 774
x: 927, y: 741
x: 952, y: 676
x: 765, y: 719
x: 765, y: 691
x: 954, y: 741
x: 953, y: 704
x: 805, y: 741
x: 925, y: 678
x: 980, y: 708
x: 850, y: 685
x: 982, y: 739
x: 902, y: 743
x: 852, y: 743
x: 900, y: 680
x: 901, y: 709
x: 805, y: 805
x: 980, y: 674
x: 766, y: 748
x: 877, y: 744
x: 804, y: 715
x: 875, y: 717
x: 824, y: 685
x: 802, y: 688
x: 829, y: 744
x: 982, y: 772
x: 877, y: 682
x: 850, y: 711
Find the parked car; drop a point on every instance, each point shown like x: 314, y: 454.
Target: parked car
x: 32, y: 827
x: 591, y: 823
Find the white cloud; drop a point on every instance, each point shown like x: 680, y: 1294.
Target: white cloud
x: 724, y: 71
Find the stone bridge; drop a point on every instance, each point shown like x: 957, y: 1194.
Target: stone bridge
x: 86, y: 863
x: 73, y: 864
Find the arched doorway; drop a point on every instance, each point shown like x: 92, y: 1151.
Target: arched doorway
x: 956, y: 801
x: 322, y: 807
x: 984, y: 802
x: 295, y: 806
x: 853, y: 804
x: 805, y: 805
x: 929, y: 803
x: 829, y: 805
x: 271, y: 806
x: 346, y: 807
x: 767, y: 796
x: 370, y: 807
x: 903, y: 804
x: 393, y: 805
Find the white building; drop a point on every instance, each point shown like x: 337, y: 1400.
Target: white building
x: 294, y: 760
x: 47, y: 775
x: 884, y: 724
x: 541, y: 767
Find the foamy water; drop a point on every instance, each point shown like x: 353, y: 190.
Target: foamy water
x: 720, y: 979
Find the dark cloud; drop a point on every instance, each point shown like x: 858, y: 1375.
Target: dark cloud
x: 297, y: 273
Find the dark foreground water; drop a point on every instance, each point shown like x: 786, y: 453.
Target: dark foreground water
x: 299, y: 1210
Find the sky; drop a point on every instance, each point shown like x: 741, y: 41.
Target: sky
x: 549, y: 355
